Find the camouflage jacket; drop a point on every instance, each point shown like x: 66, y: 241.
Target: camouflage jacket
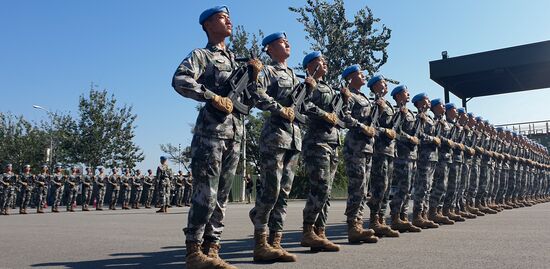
x: 114, y: 181
x: 279, y: 82
x: 149, y: 180
x: 87, y: 180
x: 42, y: 180
x: 405, y: 131
x: 137, y: 181
x: 26, y: 181
x: 444, y: 129
x: 72, y: 180
x: 200, y: 76
x: 320, y: 131
x: 100, y: 180
x: 383, y: 144
x: 360, y: 108
x: 427, y: 150
x: 163, y: 175
x: 58, y: 180
x: 126, y: 180
x: 8, y: 180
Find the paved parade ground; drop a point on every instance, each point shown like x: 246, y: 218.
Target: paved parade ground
x: 518, y: 238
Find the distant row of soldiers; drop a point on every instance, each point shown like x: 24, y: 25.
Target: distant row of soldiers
x: 130, y: 189
x: 452, y: 164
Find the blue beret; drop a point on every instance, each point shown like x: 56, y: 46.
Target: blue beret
x: 514, y: 133
x: 310, y: 57
x: 419, y: 97
x: 470, y: 114
x: 27, y: 166
x: 449, y: 106
x: 461, y: 110
x: 211, y: 11
x: 162, y: 158
x: 435, y: 102
x: 508, y: 131
x: 398, y: 89
x: 500, y: 129
x: 374, y: 79
x: 486, y: 121
x: 479, y: 118
x: 350, y: 69
x: 272, y: 37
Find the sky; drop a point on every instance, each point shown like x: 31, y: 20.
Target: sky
x: 51, y: 51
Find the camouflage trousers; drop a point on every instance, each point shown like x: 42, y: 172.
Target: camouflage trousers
x: 517, y: 183
x: 137, y: 196
x: 473, y: 181
x: 86, y: 195
x: 382, y: 171
x: 422, y: 184
x: 403, y: 171
x: 439, y: 184
x: 125, y: 192
x: 278, y: 167
x: 320, y: 161
x: 6, y: 198
x: 358, y: 167
x: 493, y: 183
x: 484, y: 177
x: 463, y: 184
x: 214, y: 165
x: 453, y: 183
x: 164, y: 194
x: 71, y: 197
x: 187, y: 194
x: 114, y: 197
x: 100, y: 197
x: 149, y: 196
x: 502, y: 187
x: 41, y: 195
x: 179, y: 195
x: 26, y: 194
x: 57, y: 193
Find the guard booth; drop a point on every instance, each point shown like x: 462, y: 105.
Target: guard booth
x: 514, y: 69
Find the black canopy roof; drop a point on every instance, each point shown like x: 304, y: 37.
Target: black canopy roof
x: 514, y: 69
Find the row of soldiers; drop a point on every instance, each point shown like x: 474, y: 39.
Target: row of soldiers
x: 452, y: 164
x: 132, y: 189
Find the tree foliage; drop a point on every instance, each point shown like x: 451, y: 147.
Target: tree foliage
x: 344, y: 42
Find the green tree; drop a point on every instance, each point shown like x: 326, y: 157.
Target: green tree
x: 106, y: 132
x: 243, y: 43
x: 344, y: 42
x: 177, y: 154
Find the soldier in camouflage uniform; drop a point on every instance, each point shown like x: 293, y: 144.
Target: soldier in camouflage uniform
x: 163, y: 178
x: 467, y: 123
x: 358, y: 148
x: 320, y: 155
x: 472, y: 187
x: 149, y: 183
x: 71, y: 188
x: 137, y: 186
x: 26, y: 184
x: 485, y: 170
x: 114, y: 182
x: 87, y: 185
x: 506, y: 137
x: 406, y: 149
x: 427, y: 159
x: 382, y: 160
x: 217, y: 135
x: 280, y: 145
x: 188, y: 189
x: 56, y: 184
x: 179, y: 188
x: 126, y: 188
x: 7, y: 184
x: 457, y: 154
x: 41, y: 188
x: 100, y: 180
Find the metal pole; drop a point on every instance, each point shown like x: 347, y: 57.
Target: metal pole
x: 51, y: 131
x: 447, y: 99
x: 243, y: 192
x: 464, y: 103
x: 179, y: 157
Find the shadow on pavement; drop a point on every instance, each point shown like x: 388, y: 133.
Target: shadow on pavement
x: 233, y: 251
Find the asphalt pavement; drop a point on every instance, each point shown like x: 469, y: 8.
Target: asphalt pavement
x: 518, y: 238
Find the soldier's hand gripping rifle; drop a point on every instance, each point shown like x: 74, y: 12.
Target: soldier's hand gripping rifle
x: 298, y: 97
x: 236, y: 86
x: 337, y: 104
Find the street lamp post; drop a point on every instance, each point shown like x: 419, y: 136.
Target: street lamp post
x: 51, y: 131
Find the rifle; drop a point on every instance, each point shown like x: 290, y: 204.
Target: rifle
x: 298, y: 97
x: 236, y: 86
x: 336, y: 104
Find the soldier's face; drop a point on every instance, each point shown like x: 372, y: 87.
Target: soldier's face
x: 438, y: 109
x: 380, y: 87
x: 463, y: 118
x: 8, y: 168
x: 27, y: 169
x: 219, y: 24
x: 423, y: 104
x: 356, y: 80
x: 403, y: 97
x: 323, y: 67
x: 279, y: 49
x: 451, y: 113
